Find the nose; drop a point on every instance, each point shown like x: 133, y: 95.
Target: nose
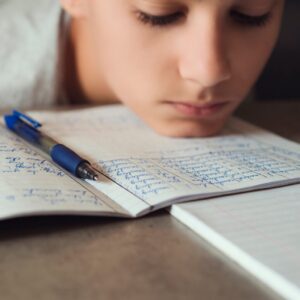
x: 204, y: 58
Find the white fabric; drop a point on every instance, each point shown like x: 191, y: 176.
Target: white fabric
x: 29, y: 52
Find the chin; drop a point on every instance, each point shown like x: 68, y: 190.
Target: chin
x: 190, y: 130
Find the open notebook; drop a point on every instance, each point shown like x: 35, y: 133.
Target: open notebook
x: 259, y: 230
x: 141, y: 171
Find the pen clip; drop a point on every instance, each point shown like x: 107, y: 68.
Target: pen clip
x: 35, y: 124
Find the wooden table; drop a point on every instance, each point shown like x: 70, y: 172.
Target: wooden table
x: 154, y: 257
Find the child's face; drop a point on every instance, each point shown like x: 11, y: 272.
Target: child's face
x: 182, y: 65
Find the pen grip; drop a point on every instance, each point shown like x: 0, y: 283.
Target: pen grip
x: 66, y: 158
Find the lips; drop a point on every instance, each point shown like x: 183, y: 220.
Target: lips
x: 198, y: 110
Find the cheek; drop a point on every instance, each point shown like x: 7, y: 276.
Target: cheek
x: 250, y: 55
x: 134, y: 64
x: 126, y: 64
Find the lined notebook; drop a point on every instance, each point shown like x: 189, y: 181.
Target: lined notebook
x: 259, y: 230
x: 141, y: 171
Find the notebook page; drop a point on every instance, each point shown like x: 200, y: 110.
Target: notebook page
x: 158, y: 169
x: 30, y: 185
x: 121, y: 196
x: 259, y: 230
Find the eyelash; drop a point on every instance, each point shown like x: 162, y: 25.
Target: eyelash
x: 254, y: 21
x: 240, y: 18
x: 159, y: 20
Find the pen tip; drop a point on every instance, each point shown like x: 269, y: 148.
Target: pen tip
x: 86, y: 171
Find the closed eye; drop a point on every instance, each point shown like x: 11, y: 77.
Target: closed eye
x: 238, y: 17
x: 247, y: 20
x: 162, y: 20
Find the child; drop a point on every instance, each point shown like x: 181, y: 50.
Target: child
x: 183, y: 66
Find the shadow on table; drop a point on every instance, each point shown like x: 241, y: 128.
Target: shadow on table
x: 34, y: 226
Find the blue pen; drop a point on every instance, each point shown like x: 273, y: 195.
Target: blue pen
x: 27, y: 128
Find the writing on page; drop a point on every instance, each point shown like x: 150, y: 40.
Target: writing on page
x: 30, y: 183
x: 157, y: 168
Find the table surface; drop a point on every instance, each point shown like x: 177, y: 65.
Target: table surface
x: 154, y: 257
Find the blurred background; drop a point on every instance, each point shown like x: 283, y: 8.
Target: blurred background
x: 281, y: 78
